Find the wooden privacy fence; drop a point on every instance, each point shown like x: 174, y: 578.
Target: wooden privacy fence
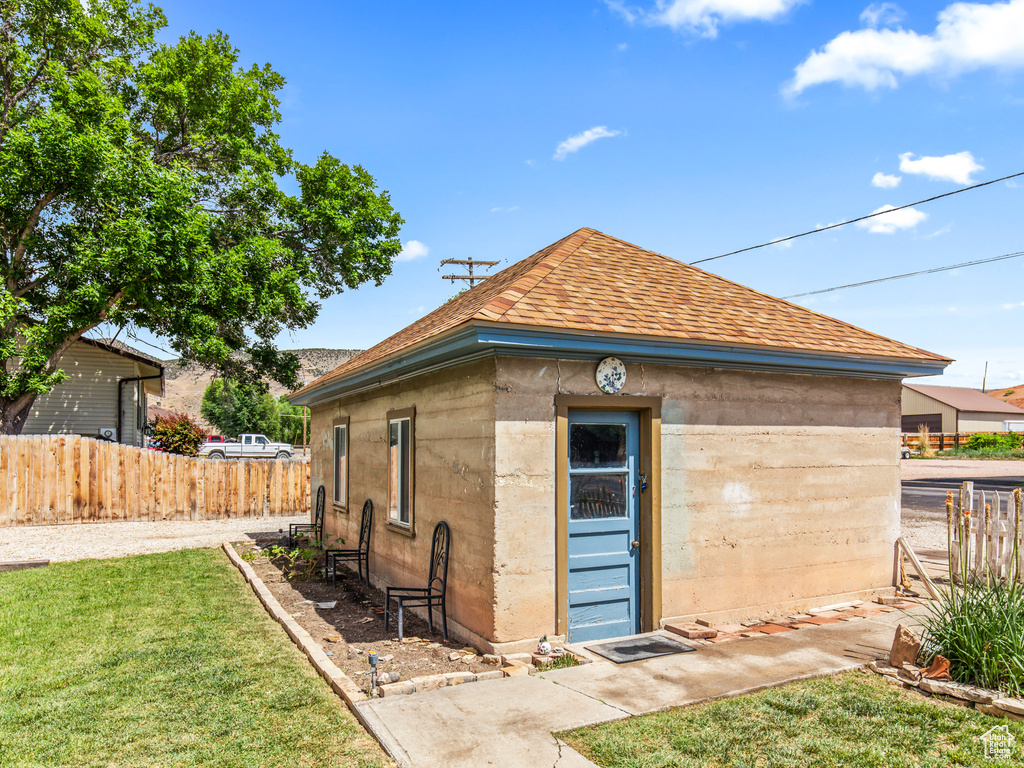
x: 71, y: 479
x: 940, y: 441
x: 985, y: 529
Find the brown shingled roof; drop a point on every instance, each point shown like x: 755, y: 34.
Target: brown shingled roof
x: 591, y: 282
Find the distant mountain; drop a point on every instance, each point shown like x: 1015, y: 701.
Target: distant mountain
x: 1013, y: 395
x: 185, y: 385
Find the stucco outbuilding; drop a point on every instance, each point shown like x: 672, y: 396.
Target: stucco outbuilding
x: 746, y: 463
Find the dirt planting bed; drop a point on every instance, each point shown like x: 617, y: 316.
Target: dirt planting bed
x: 354, y: 627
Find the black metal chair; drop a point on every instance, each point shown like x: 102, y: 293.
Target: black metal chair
x: 361, y: 554
x: 431, y: 595
x: 316, y: 527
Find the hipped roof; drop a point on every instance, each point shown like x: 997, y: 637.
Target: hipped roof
x: 592, y: 283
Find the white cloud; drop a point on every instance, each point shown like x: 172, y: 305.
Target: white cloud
x: 882, y: 15
x: 906, y: 218
x: 500, y: 209
x: 968, y: 36
x: 622, y: 47
x: 885, y: 181
x: 702, y: 17
x: 958, y: 167
x: 413, y: 249
x: 580, y: 140
x: 940, y: 232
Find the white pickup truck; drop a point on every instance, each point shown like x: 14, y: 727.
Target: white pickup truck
x: 247, y: 447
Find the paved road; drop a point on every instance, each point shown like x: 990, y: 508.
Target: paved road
x: 926, y: 499
x: 926, y: 482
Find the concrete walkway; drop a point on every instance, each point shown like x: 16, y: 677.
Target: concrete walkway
x: 508, y: 723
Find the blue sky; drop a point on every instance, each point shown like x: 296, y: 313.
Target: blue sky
x: 688, y: 127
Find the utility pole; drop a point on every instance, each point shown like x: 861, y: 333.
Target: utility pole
x: 984, y: 376
x: 471, y: 278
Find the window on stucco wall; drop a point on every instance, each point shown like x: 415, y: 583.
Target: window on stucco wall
x: 401, y: 467
x: 341, y: 463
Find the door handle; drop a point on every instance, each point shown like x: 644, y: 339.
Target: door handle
x: 634, y: 544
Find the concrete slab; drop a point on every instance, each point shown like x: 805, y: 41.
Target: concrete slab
x: 501, y: 723
x: 729, y: 669
x: 509, y: 723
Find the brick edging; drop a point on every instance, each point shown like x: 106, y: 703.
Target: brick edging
x: 340, y: 683
x: 984, y: 700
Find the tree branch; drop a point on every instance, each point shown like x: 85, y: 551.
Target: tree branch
x: 30, y: 226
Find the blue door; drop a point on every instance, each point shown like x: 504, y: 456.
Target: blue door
x: 603, y: 526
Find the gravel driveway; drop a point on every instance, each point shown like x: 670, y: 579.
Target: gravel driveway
x: 100, y: 540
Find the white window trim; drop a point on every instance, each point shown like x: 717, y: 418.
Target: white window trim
x: 339, y: 495
x: 397, y: 417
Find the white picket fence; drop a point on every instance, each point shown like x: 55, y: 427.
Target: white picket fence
x: 989, y: 522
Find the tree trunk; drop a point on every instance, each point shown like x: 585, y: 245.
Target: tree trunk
x: 14, y: 413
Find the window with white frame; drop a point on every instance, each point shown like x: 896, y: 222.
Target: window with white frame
x: 341, y: 463
x: 400, y: 467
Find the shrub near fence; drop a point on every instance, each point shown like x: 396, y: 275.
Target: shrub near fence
x: 71, y: 479
x: 941, y: 441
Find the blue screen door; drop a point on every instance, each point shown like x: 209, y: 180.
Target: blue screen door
x: 603, y: 526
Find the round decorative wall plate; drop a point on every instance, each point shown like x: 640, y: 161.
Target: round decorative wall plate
x: 611, y: 375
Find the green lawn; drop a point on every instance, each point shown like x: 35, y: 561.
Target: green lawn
x: 159, y: 660
x: 854, y: 720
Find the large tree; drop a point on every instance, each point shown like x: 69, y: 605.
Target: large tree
x: 236, y: 407
x: 141, y: 187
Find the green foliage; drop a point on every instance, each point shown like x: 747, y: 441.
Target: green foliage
x: 141, y: 186
x: 237, y: 407
x: 982, y: 442
x: 980, y: 628
x: 291, y: 421
x: 160, y: 660
x: 978, y: 624
x: 179, y: 434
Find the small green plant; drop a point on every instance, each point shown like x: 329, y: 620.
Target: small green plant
x: 1008, y: 392
x: 250, y: 555
x: 302, y: 563
x: 564, y: 661
x: 297, y: 564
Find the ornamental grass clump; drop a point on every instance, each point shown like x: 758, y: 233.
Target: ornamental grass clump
x: 978, y: 625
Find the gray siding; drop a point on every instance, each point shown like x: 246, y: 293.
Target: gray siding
x: 86, y: 400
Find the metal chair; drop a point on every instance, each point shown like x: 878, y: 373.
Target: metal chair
x: 361, y: 554
x: 316, y: 527
x: 431, y: 595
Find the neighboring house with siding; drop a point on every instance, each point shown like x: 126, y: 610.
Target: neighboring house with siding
x: 100, y: 377
x: 956, y: 409
x: 746, y: 464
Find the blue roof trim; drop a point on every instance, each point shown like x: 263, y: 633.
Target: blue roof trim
x: 474, y: 342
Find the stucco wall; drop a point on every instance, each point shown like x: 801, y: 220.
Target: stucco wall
x: 454, y: 481
x: 776, y: 488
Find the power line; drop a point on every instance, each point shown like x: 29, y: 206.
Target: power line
x: 154, y: 346
x: 910, y: 274
x: 859, y: 218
